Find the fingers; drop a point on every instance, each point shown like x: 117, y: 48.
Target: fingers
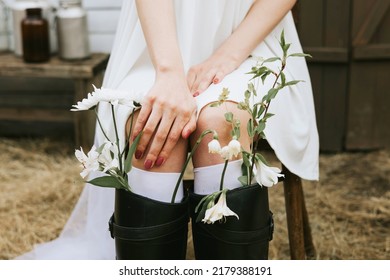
x: 162, y: 132
x: 202, y: 82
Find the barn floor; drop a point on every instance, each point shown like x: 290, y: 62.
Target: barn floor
x: 349, y: 208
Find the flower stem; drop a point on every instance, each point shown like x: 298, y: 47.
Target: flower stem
x: 223, y: 175
x: 100, y: 124
x: 128, y: 136
x: 117, y: 139
x: 188, y: 160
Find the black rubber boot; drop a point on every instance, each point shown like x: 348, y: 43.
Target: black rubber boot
x: 246, y: 238
x: 146, y: 229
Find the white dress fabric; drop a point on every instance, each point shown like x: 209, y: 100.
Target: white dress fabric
x: 202, y: 25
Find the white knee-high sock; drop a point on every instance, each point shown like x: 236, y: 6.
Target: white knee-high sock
x: 155, y: 185
x: 207, y: 179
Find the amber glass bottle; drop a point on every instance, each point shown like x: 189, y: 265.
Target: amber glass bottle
x: 35, y: 36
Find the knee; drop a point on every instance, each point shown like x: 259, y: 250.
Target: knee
x: 214, y: 118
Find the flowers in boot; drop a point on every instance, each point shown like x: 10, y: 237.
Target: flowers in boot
x: 216, y: 211
x: 265, y: 175
x: 89, y: 162
x: 111, y: 159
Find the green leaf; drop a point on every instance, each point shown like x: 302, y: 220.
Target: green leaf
x: 268, y: 115
x: 261, y: 158
x: 260, y: 127
x: 129, y: 156
x: 285, y: 49
x: 251, y: 87
x: 243, y: 180
x: 249, y: 128
x: 282, y: 40
x: 229, y: 117
x: 271, y: 59
x: 106, y: 182
x: 261, y: 111
x: 291, y: 83
x: 245, y: 159
x: 300, y: 55
x: 283, y: 79
x: 264, y: 76
x: 272, y: 93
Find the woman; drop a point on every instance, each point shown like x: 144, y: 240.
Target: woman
x: 180, y: 54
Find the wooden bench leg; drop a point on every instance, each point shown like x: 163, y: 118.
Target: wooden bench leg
x: 299, y: 232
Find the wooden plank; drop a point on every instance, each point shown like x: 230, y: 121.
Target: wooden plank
x: 32, y: 114
x: 35, y: 84
x: 12, y: 66
x: 30, y: 99
x: 310, y: 24
x: 337, y: 24
x: 372, y: 52
x: 60, y: 130
x: 369, y: 114
x: 329, y: 84
x: 361, y: 122
x: 381, y: 104
x: 371, y: 22
x: 333, y: 104
x: 327, y: 54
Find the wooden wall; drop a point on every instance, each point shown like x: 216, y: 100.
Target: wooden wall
x: 349, y: 41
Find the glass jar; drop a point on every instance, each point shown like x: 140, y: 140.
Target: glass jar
x: 72, y: 31
x: 35, y: 36
x: 18, y: 9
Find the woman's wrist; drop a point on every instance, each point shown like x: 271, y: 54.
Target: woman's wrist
x: 170, y: 69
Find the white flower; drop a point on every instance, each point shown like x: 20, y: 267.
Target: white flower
x: 231, y: 150
x: 225, y: 153
x: 265, y: 175
x: 234, y: 147
x: 106, y: 159
x: 112, y: 96
x: 86, y: 104
x: 218, y: 211
x: 89, y: 162
x: 214, y: 147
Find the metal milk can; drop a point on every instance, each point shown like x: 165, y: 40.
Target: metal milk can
x: 72, y: 31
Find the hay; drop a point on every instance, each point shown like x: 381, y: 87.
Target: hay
x: 349, y: 209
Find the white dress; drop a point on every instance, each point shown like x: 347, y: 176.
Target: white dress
x: 292, y: 132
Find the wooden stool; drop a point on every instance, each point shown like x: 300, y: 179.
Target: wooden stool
x: 299, y: 231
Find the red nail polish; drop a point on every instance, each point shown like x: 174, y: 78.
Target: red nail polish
x: 148, y: 164
x: 159, y: 161
x: 138, y: 154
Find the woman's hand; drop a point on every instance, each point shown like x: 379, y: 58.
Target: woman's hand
x: 260, y: 20
x: 168, y: 113
x: 211, y: 71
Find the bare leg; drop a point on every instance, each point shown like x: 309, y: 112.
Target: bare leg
x: 214, y: 118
